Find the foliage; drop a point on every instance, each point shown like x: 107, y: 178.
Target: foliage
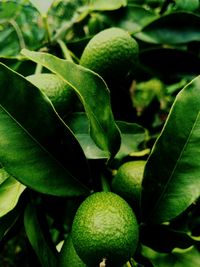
x: 51, y: 162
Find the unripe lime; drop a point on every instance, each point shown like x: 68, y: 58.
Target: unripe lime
x: 59, y: 92
x: 128, y: 181
x: 105, y: 227
x: 111, y: 53
x: 68, y: 256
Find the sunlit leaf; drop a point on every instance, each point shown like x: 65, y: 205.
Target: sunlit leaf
x: 106, y: 5
x: 10, y: 191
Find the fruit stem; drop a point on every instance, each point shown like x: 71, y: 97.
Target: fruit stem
x: 65, y: 51
x: 19, y: 33
x: 104, y: 184
x: 103, y: 263
x: 46, y: 25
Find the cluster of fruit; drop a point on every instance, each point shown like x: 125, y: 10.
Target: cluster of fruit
x: 105, y: 228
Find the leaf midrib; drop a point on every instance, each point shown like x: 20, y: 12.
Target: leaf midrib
x: 177, y: 162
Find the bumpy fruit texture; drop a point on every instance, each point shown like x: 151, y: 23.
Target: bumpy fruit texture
x: 105, y: 227
x: 60, y: 93
x: 128, y: 181
x: 68, y: 256
x: 111, y: 53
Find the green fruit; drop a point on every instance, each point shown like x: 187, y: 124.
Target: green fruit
x: 128, y: 181
x: 111, y: 53
x: 68, y: 256
x: 105, y: 227
x: 60, y: 93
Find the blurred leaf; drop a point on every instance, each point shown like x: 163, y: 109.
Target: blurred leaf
x: 173, y: 28
x: 8, y: 10
x: 39, y: 242
x: 145, y: 92
x: 171, y: 177
x: 163, y: 239
x: 21, y: 30
x: 10, y: 191
x: 9, y: 45
x: 188, y: 5
x: 134, y: 17
x: 42, y: 6
x: 181, y: 258
x: 93, y: 94
x: 106, y: 5
x: 30, y: 147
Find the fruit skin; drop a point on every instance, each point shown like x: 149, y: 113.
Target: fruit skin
x: 68, y: 256
x: 128, y: 181
x: 61, y: 95
x: 105, y: 227
x: 111, y: 53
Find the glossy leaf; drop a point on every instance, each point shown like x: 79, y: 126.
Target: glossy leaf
x: 79, y: 124
x: 171, y: 178
x: 132, y: 135
x: 106, y: 5
x: 10, y: 191
x: 30, y: 133
x: 173, y: 28
x: 35, y: 234
x: 93, y: 93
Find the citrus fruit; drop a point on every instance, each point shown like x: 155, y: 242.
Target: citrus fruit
x: 60, y: 93
x: 105, y: 229
x: 111, y: 53
x: 68, y: 256
x: 128, y: 181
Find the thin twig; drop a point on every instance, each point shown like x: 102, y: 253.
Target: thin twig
x: 19, y: 33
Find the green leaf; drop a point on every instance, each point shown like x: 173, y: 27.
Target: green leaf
x: 180, y: 258
x: 93, y: 93
x: 173, y: 28
x: 163, y: 239
x: 106, y: 5
x: 132, y: 135
x: 189, y: 5
x: 171, y: 178
x: 8, y: 221
x: 8, y: 10
x: 34, y: 141
x: 35, y: 234
x: 134, y: 18
x: 10, y: 191
x: 79, y: 124
x: 42, y: 6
